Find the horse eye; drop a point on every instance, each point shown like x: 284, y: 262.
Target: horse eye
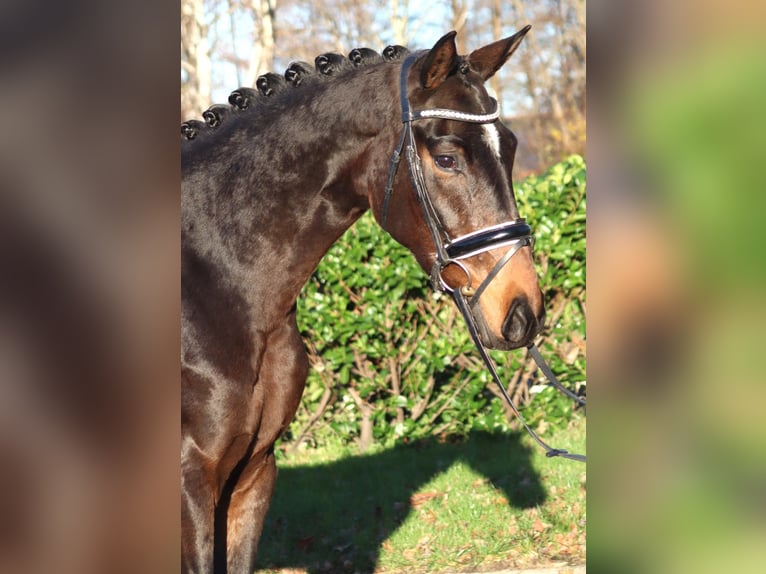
x: 445, y: 161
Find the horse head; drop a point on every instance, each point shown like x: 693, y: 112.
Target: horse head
x: 460, y: 192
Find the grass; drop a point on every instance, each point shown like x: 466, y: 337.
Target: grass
x: 487, y: 501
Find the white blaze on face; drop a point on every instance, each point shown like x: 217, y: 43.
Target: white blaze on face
x: 492, y: 137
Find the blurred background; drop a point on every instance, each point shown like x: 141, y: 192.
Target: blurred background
x: 675, y: 274
x: 89, y: 279
x: 89, y: 287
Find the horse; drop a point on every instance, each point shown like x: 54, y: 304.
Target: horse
x: 268, y: 185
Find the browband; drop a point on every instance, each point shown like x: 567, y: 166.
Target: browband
x: 444, y: 114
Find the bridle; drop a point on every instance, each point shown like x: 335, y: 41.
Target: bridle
x: 452, y: 251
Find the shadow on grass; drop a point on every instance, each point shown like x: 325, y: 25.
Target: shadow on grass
x: 334, y: 517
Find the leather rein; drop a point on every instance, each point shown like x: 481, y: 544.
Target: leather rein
x: 513, y: 234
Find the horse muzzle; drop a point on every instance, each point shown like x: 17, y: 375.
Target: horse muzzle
x: 519, y: 329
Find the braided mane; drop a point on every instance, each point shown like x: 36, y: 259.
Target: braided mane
x: 271, y: 88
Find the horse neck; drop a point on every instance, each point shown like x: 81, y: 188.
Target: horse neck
x: 267, y: 205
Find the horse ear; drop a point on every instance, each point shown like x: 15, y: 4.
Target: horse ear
x: 440, y: 61
x: 489, y: 59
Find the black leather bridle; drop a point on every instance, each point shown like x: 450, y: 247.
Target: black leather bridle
x: 451, y: 251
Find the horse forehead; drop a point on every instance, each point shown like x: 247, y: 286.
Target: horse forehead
x: 491, y: 136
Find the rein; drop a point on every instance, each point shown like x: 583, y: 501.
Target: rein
x: 514, y: 234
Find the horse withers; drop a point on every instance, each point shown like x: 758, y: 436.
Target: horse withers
x: 267, y: 188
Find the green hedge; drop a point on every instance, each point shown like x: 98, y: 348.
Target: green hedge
x: 392, y: 361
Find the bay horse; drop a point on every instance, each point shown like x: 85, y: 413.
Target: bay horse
x: 268, y: 184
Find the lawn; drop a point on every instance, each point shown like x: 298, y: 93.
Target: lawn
x: 488, y: 501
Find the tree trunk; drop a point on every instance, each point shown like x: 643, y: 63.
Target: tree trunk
x: 262, y: 59
x: 399, y: 21
x: 459, y: 17
x: 497, y: 31
x: 195, y: 60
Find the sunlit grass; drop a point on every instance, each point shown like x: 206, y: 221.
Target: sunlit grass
x: 430, y: 507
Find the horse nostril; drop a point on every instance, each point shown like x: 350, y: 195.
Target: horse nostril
x: 520, y: 324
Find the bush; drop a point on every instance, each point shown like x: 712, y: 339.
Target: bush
x: 393, y: 361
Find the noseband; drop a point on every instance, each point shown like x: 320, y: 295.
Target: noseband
x: 512, y: 234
